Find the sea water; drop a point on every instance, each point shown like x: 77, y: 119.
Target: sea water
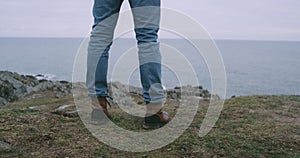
x: 252, y: 67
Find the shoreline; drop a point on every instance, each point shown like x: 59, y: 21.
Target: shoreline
x: 14, y: 86
x: 40, y: 82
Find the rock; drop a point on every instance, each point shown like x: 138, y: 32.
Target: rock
x: 176, y: 93
x: 42, y: 80
x: 5, y: 128
x: 7, y: 90
x: 199, y: 87
x: 39, y: 107
x: 206, y: 94
x: 215, y: 97
x: 14, y: 86
x: 63, y: 107
x: 63, y: 82
x: 29, y: 76
x: 57, y: 96
x: 188, y: 91
x: 66, y: 110
x: 140, y: 102
x: 4, y: 145
x: 2, y: 101
x: 73, y: 113
x: 174, y: 96
x: 44, y: 86
x: 34, y: 96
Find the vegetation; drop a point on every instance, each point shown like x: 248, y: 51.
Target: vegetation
x: 250, y: 126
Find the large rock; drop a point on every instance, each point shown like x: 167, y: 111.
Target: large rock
x: 14, y: 86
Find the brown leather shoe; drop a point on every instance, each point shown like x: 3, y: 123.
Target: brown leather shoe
x: 99, y: 106
x: 156, y: 121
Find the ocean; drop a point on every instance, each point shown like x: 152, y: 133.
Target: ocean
x: 252, y: 67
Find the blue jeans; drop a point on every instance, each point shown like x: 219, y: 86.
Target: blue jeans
x: 146, y: 15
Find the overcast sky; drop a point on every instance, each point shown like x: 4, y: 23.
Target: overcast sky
x: 224, y: 19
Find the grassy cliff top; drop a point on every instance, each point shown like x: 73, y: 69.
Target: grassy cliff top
x: 250, y: 126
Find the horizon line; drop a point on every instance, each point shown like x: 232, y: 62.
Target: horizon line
x: 215, y: 39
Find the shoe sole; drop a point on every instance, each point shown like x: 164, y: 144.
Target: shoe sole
x: 102, y: 122
x: 153, y: 126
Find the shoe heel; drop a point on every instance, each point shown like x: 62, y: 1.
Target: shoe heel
x: 151, y: 126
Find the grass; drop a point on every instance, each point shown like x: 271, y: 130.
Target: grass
x: 250, y: 126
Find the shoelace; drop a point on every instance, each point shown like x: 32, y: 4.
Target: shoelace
x: 109, y: 100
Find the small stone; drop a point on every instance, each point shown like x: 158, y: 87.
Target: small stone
x: 34, y: 96
x: 177, y: 87
x: 251, y: 111
x: 63, y: 107
x: 140, y: 102
x: 2, y: 101
x: 144, y: 156
x: 174, y: 96
x: 5, y: 128
x: 63, y: 82
x: 42, y: 80
x: 30, y: 76
x: 73, y: 113
x: 4, y: 145
x: 57, y: 95
x: 66, y: 110
x: 39, y: 107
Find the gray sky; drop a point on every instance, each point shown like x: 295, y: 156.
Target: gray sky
x: 224, y: 19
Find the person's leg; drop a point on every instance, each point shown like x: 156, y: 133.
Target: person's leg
x: 105, y: 19
x: 146, y: 15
